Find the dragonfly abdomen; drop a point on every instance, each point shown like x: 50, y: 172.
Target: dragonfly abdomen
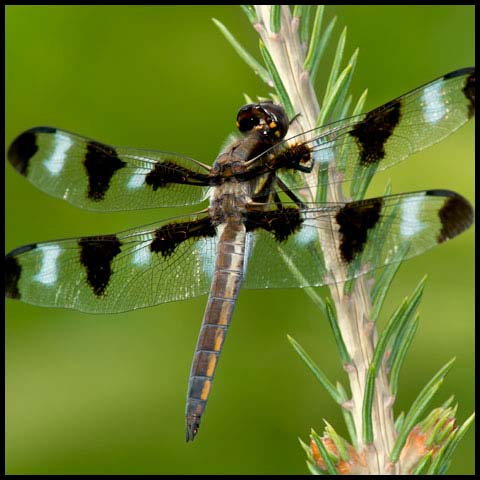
x: 227, y: 279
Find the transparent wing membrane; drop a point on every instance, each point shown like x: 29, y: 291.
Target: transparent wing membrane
x: 372, y: 233
x: 95, y: 176
x: 113, y: 273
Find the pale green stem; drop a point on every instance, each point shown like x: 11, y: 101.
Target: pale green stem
x: 353, y: 310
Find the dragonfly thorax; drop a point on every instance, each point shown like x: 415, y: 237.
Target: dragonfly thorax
x: 228, y: 202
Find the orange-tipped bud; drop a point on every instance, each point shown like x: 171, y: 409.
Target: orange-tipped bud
x: 355, y: 465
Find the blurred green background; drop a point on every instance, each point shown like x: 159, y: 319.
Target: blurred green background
x: 105, y: 394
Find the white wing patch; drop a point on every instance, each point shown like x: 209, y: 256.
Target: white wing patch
x: 434, y: 108
x: 55, y: 162
x: 410, y: 218
x: 137, y: 180
x: 208, y: 255
x: 324, y: 155
x: 308, y: 233
x: 48, y: 273
x: 249, y: 243
x: 142, y: 254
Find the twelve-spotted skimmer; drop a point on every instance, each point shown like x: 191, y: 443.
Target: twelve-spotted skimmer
x: 246, y: 220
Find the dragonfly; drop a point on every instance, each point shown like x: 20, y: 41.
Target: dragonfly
x: 257, y: 223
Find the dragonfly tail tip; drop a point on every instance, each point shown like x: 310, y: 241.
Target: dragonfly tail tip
x: 192, y: 429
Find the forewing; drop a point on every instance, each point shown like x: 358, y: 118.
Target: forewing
x: 376, y: 140
x: 158, y: 263
x: 96, y: 176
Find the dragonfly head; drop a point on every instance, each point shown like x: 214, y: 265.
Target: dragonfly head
x: 266, y: 119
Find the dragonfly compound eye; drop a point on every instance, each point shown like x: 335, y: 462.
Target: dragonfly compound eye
x: 276, y: 120
x: 248, y: 118
x: 267, y: 118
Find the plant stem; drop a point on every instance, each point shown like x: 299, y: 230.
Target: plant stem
x: 353, y: 309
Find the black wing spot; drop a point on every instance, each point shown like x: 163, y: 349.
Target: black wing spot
x: 469, y: 92
x: 456, y: 215
x: 22, y: 150
x: 22, y: 249
x: 355, y: 220
x: 13, y: 272
x: 298, y: 157
x: 459, y: 72
x: 96, y: 255
x: 24, y: 147
x: 373, y: 132
x: 101, y: 162
x: 281, y: 223
x: 168, y: 237
x: 168, y: 172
